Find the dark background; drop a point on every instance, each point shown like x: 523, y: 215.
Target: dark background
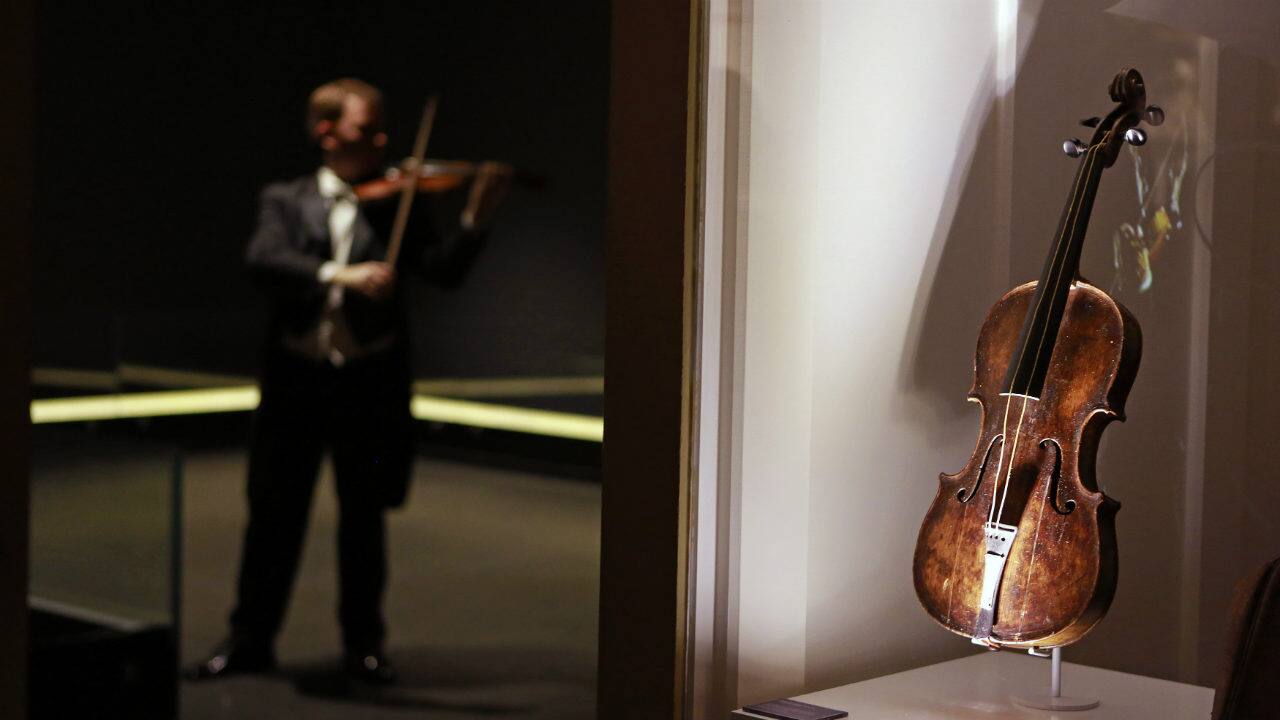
x: 157, y: 124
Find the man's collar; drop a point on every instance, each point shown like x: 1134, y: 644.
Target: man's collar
x: 330, y: 185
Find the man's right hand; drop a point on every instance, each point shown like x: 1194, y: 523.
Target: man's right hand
x: 372, y: 279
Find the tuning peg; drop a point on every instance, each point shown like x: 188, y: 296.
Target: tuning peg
x: 1091, y: 122
x: 1073, y: 147
x: 1135, y: 137
x: 1154, y: 115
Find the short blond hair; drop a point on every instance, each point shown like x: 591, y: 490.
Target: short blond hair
x: 326, y: 101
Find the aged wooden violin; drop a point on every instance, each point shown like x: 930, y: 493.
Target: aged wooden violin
x: 1018, y: 548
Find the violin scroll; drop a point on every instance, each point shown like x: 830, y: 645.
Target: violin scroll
x: 1128, y: 88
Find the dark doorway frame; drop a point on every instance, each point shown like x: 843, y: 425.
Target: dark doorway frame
x: 649, y: 385
x: 17, y: 168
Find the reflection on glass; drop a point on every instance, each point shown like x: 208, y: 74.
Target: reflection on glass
x: 147, y: 326
x: 1137, y: 245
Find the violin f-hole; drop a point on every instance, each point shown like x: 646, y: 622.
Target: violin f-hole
x: 1055, y: 479
x: 965, y: 494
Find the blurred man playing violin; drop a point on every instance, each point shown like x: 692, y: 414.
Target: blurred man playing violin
x: 336, y: 376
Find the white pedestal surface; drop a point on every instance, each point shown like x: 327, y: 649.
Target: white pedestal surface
x: 979, y: 686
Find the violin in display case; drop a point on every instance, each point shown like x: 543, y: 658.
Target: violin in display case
x: 1018, y: 548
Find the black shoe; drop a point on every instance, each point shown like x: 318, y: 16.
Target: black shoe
x: 235, y: 655
x: 369, y: 667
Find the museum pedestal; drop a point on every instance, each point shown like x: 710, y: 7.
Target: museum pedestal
x: 980, y: 686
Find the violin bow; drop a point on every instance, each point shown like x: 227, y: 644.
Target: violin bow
x: 409, y: 190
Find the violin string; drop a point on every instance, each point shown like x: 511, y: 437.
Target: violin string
x: 1013, y: 453
x: 1059, y: 245
x: 1059, y: 272
x: 1004, y: 427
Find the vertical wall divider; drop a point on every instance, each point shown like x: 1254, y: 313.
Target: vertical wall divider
x: 649, y: 382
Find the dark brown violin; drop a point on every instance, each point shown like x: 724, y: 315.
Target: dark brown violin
x: 433, y: 176
x: 417, y: 175
x: 1018, y: 548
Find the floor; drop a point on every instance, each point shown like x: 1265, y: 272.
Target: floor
x: 492, y: 606
x: 491, y: 609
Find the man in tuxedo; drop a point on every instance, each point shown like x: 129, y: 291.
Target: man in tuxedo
x: 335, y: 376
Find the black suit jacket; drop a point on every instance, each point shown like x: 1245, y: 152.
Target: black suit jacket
x: 288, y: 246
x: 291, y: 242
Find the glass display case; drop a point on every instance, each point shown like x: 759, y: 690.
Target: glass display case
x: 877, y: 176
x: 105, y: 572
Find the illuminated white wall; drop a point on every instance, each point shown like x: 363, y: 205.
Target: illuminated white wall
x: 777, y: 375
x: 858, y: 128
x: 906, y: 89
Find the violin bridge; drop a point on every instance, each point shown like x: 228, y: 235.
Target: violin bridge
x: 999, y: 538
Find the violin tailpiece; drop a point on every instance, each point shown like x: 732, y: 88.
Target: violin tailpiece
x: 999, y: 538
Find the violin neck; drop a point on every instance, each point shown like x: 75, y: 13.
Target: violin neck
x: 1040, y: 328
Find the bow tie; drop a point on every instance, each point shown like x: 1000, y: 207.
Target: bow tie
x: 331, y: 198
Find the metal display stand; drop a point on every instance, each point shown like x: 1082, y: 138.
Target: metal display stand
x: 1054, y: 700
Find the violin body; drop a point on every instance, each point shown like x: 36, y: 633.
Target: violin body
x: 1061, y: 569
x: 433, y: 176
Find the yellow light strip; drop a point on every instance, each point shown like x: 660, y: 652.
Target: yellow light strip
x: 144, y: 404
x: 507, y: 417
x: 245, y: 398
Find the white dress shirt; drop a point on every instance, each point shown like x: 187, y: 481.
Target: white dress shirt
x: 330, y: 338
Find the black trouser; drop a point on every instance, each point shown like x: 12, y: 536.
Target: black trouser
x: 360, y: 413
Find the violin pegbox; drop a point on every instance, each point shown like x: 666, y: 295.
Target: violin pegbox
x: 1129, y: 91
